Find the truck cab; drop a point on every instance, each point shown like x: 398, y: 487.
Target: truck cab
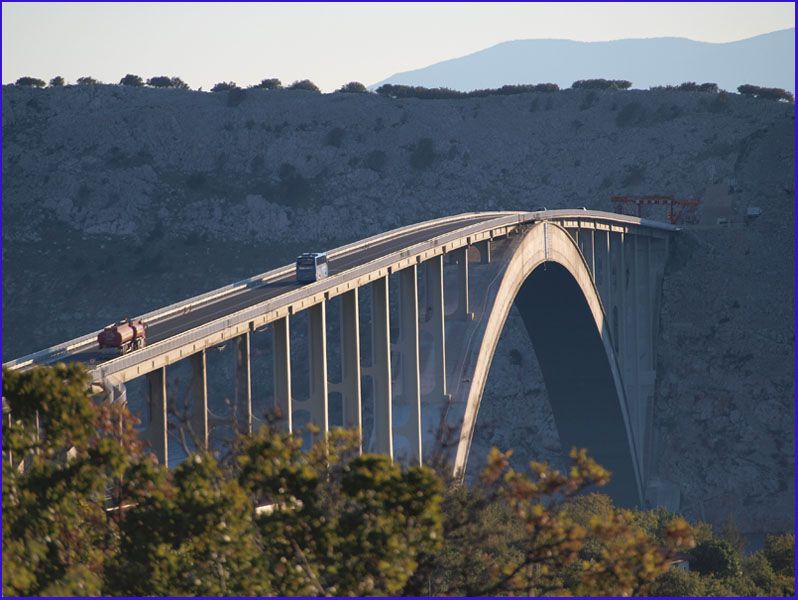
x: 311, y: 266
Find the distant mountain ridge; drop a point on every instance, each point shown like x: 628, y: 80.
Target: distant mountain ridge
x: 767, y: 60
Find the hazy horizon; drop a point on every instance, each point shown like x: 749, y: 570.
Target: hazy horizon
x: 331, y: 43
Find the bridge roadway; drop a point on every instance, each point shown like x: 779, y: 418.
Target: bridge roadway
x: 261, y: 291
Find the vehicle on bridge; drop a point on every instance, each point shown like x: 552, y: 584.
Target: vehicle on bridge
x: 126, y: 335
x: 311, y: 266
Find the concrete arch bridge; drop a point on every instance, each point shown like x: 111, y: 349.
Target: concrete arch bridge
x: 419, y: 314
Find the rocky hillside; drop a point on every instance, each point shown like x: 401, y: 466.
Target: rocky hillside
x: 119, y: 200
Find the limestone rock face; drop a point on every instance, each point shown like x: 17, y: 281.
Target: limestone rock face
x: 119, y: 200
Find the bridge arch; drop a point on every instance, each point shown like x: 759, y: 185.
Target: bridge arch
x: 547, y: 278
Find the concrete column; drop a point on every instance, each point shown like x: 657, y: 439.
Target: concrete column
x: 484, y: 252
x: 243, y: 400
x: 381, y: 367
x: 350, y: 360
x: 592, y: 260
x: 436, y: 311
x: 199, y: 401
x: 622, y: 294
x: 157, y: 434
x: 463, y: 307
x: 282, y: 374
x: 606, y: 275
x: 411, y: 379
x: 317, y: 347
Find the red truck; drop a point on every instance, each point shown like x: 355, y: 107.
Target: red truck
x: 125, y: 335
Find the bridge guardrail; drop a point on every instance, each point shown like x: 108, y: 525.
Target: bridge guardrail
x: 53, y: 352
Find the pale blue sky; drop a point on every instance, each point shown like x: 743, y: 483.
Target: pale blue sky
x: 204, y: 43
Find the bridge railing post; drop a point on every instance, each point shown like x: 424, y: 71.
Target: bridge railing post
x: 382, y: 442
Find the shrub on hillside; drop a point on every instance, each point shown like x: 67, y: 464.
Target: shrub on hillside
x: 132, y: 80
x: 375, y: 160
x: 57, y: 81
x: 334, y: 137
x: 690, y: 86
x: 631, y: 114
x: 224, y: 86
x: 511, y: 90
x: 422, y: 154
x: 305, y: 84
x: 602, y: 84
x: 30, y: 82
x: 765, y: 92
x: 390, y: 90
x: 236, y: 96
x: 87, y: 80
x: 268, y: 84
x: 353, y: 87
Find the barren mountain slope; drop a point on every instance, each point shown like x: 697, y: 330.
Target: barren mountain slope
x: 118, y: 200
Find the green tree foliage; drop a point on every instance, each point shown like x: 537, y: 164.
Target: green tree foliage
x: 88, y: 81
x: 57, y: 81
x: 518, y: 533
x: 88, y: 512
x: 56, y: 478
x: 780, y: 552
x: 224, y: 86
x: 304, y: 84
x: 179, y: 84
x: 602, y: 84
x: 690, y: 86
x: 390, y: 90
x: 715, y: 557
x: 353, y: 87
x: 268, y: 84
x: 132, y: 80
x: 30, y: 82
x: 162, y: 81
x: 766, y: 93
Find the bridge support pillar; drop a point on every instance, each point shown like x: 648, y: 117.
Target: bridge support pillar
x: 350, y: 361
x: 282, y: 374
x: 199, y: 402
x: 317, y: 347
x: 382, y: 442
x: 463, y: 307
x: 157, y: 434
x: 484, y: 252
x: 411, y: 380
x: 436, y: 309
x: 605, y: 272
x: 243, y: 400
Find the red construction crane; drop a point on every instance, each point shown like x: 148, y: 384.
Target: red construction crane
x: 679, y: 211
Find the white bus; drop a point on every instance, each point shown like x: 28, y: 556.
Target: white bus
x: 311, y: 266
